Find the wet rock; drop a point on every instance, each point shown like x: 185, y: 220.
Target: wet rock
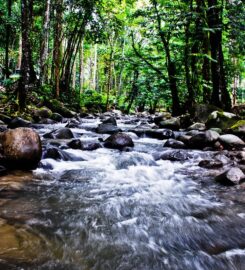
x: 203, y: 139
x: 63, y: 133
x: 222, y: 120
x: 3, y: 128
x: 75, y: 144
x: 6, y: 119
x: 86, y: 146
x: 173, y: 124
x: 47, y: 121
x: 110, y: 120
x: 174, y: 144
x: 91, y: 146
x: 210, y: 164
x: 21, y: 148
x: 233, y: 176
x: 174, y: 155
x: 18, y: 122
x: 161, y: 134
x: 197, y: 126
x: 58, y: 154
x: 73, y: 124
x: 184, y: 138
x: 185, y: 121
x: 119, y: 141
x: 107, y: 129
x: 230, y: 140
x: 163, y: 116
x: 57, y: 117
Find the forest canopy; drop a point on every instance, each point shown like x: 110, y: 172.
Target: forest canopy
x: 95, y: 55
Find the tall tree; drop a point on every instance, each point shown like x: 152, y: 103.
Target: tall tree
x: 28, y: 75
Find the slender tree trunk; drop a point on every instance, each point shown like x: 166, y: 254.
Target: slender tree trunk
x: 19, y: 53
x: 28, y: 75
x: 95, y: 66
x: 134, y: 90
x: 44, y: 44
x: 57, y: 45
x: 8, y: 33
x: 81, y: 69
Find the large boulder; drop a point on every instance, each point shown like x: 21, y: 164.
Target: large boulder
x: 20, y: 148
x: 203, y: 139
x: 197, y: 126
x: 119, y: 141
x: 222, y: 120
x: 43, y: 112
x: 233, y: 176
x: 58, y: 107
x: 238, y: 128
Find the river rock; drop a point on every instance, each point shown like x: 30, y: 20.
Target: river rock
x: 18, y: 122
x: 172, y: 155
x: 43, y: 112
x: 210, y: 164
x: 75, y: 144
x: 59, y: 154
x: 173, y: 123
x: 231, y: 140
x: 62, y: 133
x: 119, y: 141
x: 91, y: 146
x: 222, y: 120
x: 233, y: 176
x: 201, y: 112
x: 174, y: 144
x: 197, y: 126
x: 47, y: 121
x: 57, y: 117
x: 204, y: 139
x: 110, y: 120
x: 161, y: 134
x: 20, y: 148
x: 107, y: 129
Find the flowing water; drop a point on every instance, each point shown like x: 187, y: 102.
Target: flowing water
x: 120, y: 211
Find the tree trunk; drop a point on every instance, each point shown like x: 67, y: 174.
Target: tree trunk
x: 81, y: 67
x: 57, y: 45
x: 95, y: 66
x: 28, y: 75
x: 134, y: 90
x: 44, y: 44
x: 8, y: 33
x: 220, y: 95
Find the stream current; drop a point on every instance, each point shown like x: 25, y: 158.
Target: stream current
x: 120, y: 211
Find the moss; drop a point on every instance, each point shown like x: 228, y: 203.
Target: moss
x: 238, y: 124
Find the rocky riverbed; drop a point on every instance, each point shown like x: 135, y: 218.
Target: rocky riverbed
x: 126, y: 192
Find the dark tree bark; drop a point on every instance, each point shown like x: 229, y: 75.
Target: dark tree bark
x: 220, y: 95
x: 8, y: 33
x: 134, y: 90
x: 57, y: 45
x: 28, y: 75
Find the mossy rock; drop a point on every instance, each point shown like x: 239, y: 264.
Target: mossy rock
x: 200, y: 112
x: 58, y: 107
x: 222, y: 120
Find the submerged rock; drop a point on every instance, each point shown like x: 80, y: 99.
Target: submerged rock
x: 21, y: 148
x: 233, y: 176
x: 119, y: 141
